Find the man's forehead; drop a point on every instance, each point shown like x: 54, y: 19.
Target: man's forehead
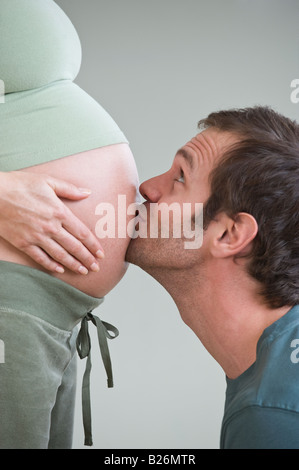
x: 213, y: 138
x: 208, y: 144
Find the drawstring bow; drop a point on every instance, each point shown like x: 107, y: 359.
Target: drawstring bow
x: 83, y: 344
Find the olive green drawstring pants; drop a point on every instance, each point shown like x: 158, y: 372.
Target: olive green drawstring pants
x: 39, y: 315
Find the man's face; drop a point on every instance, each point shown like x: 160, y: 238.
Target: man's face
x: 187, y: 181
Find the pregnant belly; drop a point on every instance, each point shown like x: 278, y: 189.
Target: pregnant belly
x: 109, y: 172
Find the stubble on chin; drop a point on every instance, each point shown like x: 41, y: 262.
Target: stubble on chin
x: 154, y: 254
x: 166, y: 249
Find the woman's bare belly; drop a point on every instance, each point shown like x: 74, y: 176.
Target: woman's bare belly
x: 109, y: 172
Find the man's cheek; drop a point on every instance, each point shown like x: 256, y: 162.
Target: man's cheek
x: 193, y: 225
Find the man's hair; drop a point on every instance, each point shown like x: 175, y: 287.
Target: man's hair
x: 260, y: 176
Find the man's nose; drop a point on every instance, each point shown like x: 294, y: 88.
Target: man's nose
x: 152, y: 189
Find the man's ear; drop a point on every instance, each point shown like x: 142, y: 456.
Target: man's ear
x: 232, y: 236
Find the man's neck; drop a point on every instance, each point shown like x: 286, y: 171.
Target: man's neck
x: 228, y: 316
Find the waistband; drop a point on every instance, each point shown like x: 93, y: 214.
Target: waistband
x: 42, y: 295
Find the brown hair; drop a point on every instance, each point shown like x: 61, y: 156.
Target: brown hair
x: 260, y: 175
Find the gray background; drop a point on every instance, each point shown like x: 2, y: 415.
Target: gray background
x: 158, y: 67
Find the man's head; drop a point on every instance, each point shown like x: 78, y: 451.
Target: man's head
x: 244, y: 168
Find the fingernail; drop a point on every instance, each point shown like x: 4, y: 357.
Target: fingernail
x: 59, y: 269
x: 83, y: 270
x: 100, y: 254
x: 95, y: 267
x: 85, y: 190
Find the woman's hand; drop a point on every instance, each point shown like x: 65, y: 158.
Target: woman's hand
x: 35, y: 220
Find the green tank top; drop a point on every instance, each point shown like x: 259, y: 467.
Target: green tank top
x: 45, y: 115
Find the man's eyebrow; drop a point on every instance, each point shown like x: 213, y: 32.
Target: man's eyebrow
x: 187, y: 156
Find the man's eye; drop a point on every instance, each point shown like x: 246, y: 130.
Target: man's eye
x: 182, y: 177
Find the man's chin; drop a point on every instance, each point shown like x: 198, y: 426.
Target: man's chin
x: 131, y: 252
x: 138, y: 252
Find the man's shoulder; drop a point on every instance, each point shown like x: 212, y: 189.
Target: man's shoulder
x: 261, y: 427
x: 276, y: 372
x: 262, y: 405
x: 273, y: 380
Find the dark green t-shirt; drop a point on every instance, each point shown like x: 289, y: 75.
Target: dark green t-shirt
x: 262, y: 404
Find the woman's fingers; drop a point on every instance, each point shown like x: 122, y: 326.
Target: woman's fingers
x: 52, y: 256
x: 41, y: 258
x: 32, y: 217
x: 82, y: 239
x: 73, y: 235
x: 67, y: 190
x: 68, y: 241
